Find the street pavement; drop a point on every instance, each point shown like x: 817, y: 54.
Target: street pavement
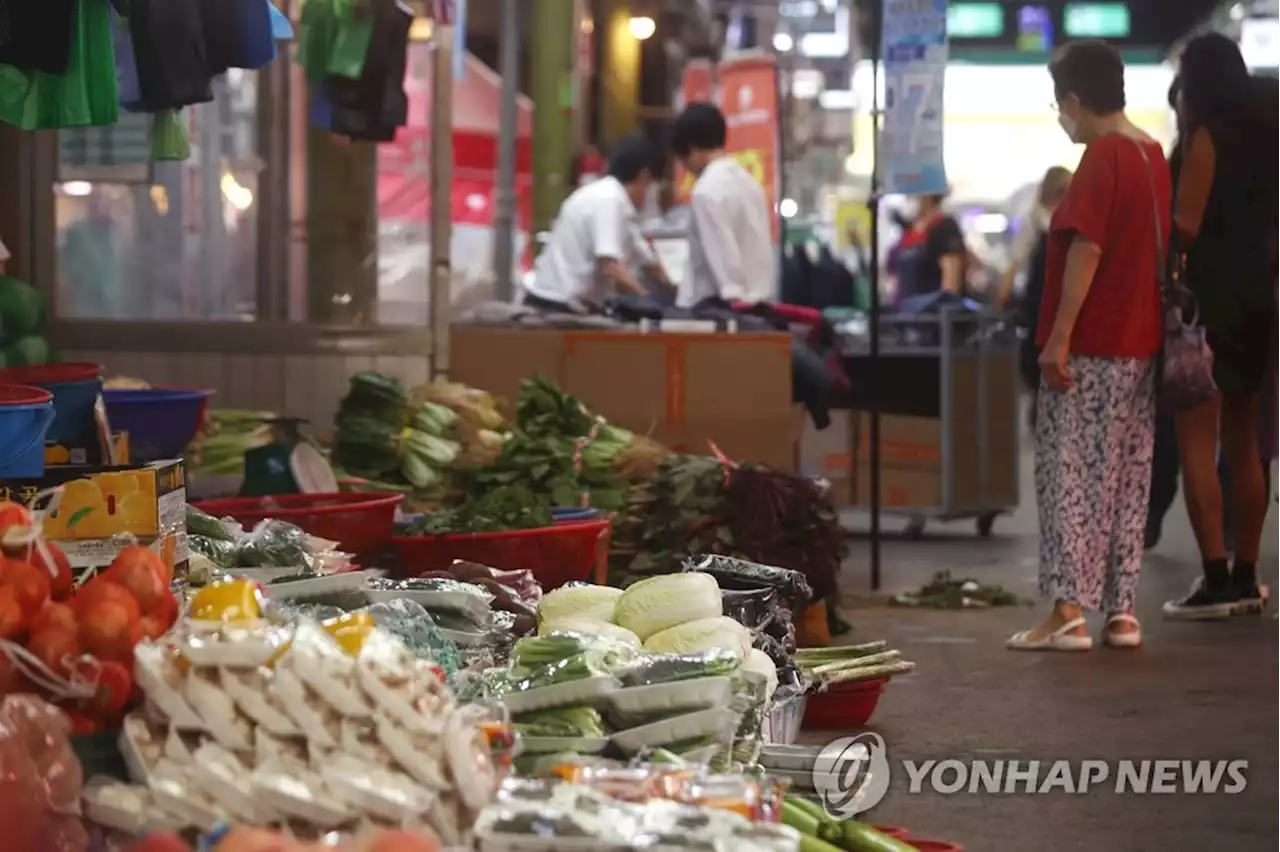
x: 1194, y: 691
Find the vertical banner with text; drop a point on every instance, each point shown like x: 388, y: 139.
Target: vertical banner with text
x: 697, y: 85
x: 914, y: 38
x: 749, y: 99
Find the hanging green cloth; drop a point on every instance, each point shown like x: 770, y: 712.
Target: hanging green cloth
x: 333, y: 39
x: 169, y: 140
x: 85, y: 95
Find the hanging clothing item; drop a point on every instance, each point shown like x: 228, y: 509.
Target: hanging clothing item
x: 83, y: 95
x: 169, y: 48
x: 373, y: 107
x: 126, y: 66
x: 40, y: 35
x: 237, y: 34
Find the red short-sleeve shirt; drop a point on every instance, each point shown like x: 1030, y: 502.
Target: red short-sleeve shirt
x: 1110, y: 204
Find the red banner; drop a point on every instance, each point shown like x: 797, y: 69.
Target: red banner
x: 749, y: 100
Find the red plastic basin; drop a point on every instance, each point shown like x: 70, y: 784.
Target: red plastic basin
x: 895, y: 831
x: 359, y: 523
x: 845, y: 705
x: 931, y: 845
x: 24, y: 395
x: 556, y: 555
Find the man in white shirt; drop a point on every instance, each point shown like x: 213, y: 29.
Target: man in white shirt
x: 596, y: 237
x: 731, y: 250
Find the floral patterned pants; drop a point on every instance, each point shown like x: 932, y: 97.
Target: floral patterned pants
x: 1093, y: 480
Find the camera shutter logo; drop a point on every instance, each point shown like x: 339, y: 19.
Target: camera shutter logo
x: 851, y: 775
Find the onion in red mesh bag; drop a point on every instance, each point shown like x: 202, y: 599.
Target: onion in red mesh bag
x: 40, y: 779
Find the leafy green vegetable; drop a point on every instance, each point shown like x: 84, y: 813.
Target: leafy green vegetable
x: 561, y: 722
x: 507, y: 508
x: 202, y: 524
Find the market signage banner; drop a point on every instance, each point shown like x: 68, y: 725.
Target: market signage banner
x: 749, y: 100
x: 915, y: 66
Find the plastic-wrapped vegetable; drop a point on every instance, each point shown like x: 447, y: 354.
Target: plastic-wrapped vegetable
x: 772, y: 648
x: 274, y: 543
x: 668, y: 668
x: 783, y: 629
x: 740, y: 574
x: 539, y: 661
x: 754, y: 609
x: 224, y: 555
x: 579, y: 600
x: 203, y: 524
x: 561, y: 722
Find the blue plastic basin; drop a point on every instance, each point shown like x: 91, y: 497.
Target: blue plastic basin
x: 75, y: 389
x: 25, y: 416
x: 161, y: 422
x: 571, y: 514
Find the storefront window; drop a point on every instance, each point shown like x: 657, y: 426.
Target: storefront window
x: 166, y: 240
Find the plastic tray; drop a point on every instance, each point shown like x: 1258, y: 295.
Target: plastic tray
x: 677, y: 729
x: 698, y: 694
x: 327, y: 584
x: 555, y: 555
x: 789, y: 758
x: 782, y: 724
x: 359, y: 523
x: 552, y: 745
x: 585, y: 691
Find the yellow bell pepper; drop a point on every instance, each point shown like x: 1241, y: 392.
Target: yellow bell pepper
x: 350, y: 631
x: 234, y: 600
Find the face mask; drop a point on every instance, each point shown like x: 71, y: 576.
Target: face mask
x: 1068, y: 125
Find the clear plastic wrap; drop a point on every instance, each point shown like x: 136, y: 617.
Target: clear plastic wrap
x: 739, y: 574
x: 274, y: 543
x: 669, y: 668
x: 40, y: 778
x: 539, y: 661
x: 754, y: 609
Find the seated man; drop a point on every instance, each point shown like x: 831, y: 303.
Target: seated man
x: 731, y: 250
x: 596, y: 236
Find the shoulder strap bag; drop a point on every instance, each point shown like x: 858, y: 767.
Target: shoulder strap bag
x: 1184, y: 375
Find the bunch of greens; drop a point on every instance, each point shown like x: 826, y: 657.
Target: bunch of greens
x: 561, y: 722
x: 381, y: 435
x: 946, y: 592
x: 220, y: 447
x: 510, y: 507
x: 698, y: 505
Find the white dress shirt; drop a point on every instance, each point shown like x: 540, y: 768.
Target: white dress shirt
x: 731, y: 251
x: 597, y: 222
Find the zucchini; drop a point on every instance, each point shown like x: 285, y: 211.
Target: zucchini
x: 860, y: 837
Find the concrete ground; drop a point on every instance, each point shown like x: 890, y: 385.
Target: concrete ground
x: 1194, y: 691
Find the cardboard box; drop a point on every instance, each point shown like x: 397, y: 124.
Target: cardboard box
x: 101, y: 502
x: 59, y: 454
x: 829, y: 454
x: 684, y: 390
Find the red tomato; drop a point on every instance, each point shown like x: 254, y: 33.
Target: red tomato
x: 56, y: 647
x: 12, y: 681
x: 110, y: 628
x: 61, y: 577
x: 30, y: 586
x: 100, y: 589
x: 142, y: 582
x: 82, y: 725
x: 13, y: 515
x: 11, y: 619
x: 136, y: 554
x: 55, y: 614
x: 115, y: 683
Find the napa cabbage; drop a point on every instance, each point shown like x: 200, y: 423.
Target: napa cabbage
x: 702, y: 635
x: 593, y: 603
x: 658, y: 603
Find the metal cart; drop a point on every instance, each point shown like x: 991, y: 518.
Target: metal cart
x: 947, y: 388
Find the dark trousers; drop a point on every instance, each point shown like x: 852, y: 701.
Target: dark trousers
x: 1165, y: 469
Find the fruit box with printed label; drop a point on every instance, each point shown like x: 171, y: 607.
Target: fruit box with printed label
x: 148, y: 502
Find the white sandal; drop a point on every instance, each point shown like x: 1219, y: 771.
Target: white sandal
x: 1059, y: 640
x: 1128, y: 639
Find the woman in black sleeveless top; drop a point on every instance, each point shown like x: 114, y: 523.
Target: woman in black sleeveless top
x: 1225, y: 216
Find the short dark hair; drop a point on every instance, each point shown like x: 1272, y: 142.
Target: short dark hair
x: 632, y: 156
x: 700, y: 126
x: 1092, y: 71
x: 1175, y: 89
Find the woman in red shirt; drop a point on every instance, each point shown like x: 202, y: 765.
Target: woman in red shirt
x: 1099, y: 331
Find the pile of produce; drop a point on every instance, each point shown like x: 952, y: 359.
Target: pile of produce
x: 821, y: 833
x: 825, y: 667
x: 703, y: 505
x: 635, y: 809
x: 384, y: 438
x: 562, y: 450
x: 251, y: 722
x: 270, y: 550
x: 480, y: 428
x: 946, y: 592
x: 504, y: 508
x: 654, y: 667
x: 75, y: 644
x: 219, y: 447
